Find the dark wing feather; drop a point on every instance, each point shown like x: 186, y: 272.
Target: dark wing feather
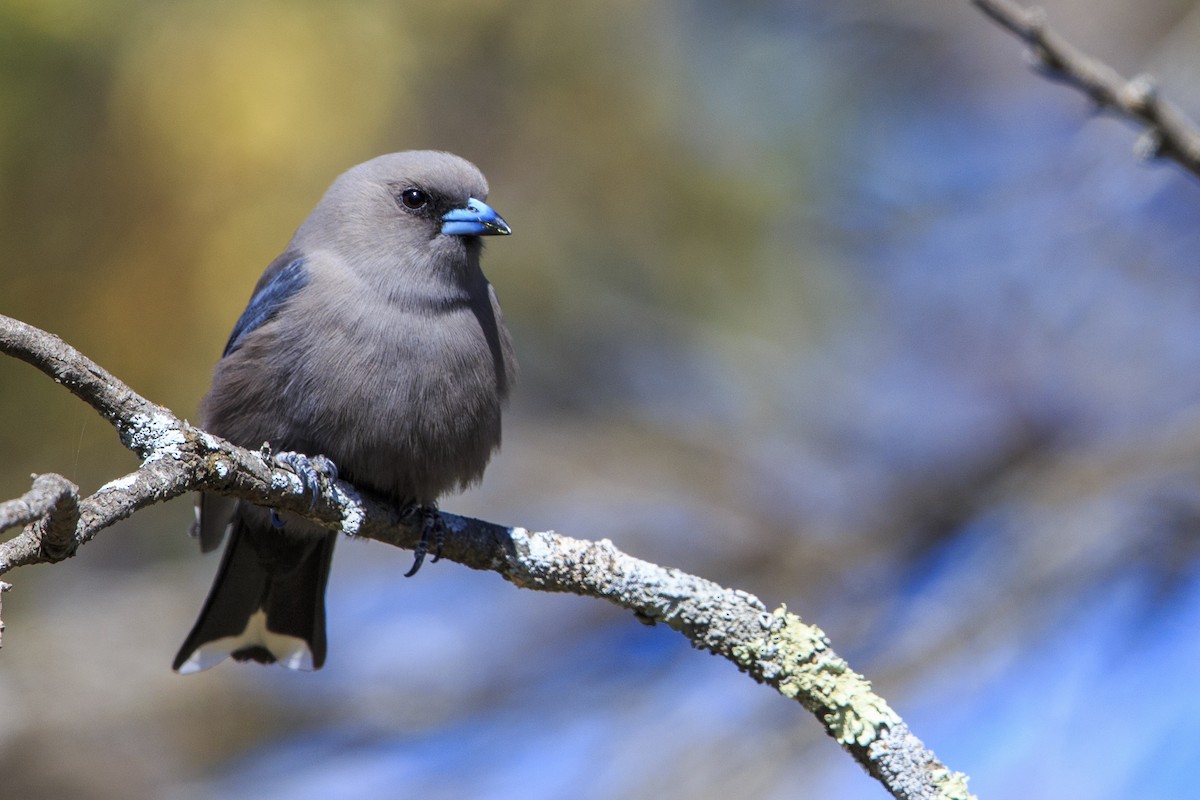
x: 286, y: 276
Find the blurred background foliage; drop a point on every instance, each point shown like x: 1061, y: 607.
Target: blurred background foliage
x: 836, y: 303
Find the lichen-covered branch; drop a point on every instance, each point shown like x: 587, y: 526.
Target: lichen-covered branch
x: 774, y: 647
x: 1167, y: 131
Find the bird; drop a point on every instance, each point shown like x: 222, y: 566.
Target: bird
x: 373, y: 350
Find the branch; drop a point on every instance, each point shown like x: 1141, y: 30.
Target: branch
x: 52, y: 503
x: 1167, y: 133
x: 774, y: 647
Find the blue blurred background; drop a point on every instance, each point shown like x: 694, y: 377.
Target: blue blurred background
x: 836, y: 303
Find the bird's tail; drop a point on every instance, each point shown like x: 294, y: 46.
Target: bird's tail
x: 266, y: 604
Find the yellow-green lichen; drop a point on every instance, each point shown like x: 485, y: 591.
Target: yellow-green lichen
x: 796, y: 658
x: 954, y: 787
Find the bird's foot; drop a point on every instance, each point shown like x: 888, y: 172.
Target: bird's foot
x: 431, y: 524
x: 310, y: 470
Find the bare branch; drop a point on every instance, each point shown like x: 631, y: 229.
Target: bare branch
x: 53, y: 502
x: 1167, y: 133
x: 774, y: 647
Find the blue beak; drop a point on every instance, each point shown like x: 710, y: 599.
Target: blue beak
x: 477, y: 218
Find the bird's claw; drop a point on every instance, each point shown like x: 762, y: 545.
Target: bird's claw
x: 431, y: 522
x: 310, y: 471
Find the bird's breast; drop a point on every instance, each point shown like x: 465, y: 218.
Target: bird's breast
x: 406, y: 403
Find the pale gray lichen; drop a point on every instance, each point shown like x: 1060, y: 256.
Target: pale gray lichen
x: 120, y: 484
x: 285, y: 481
x: 210, y: 441
x: 912, y: 770
x: 157, y: 435
x: 527, y: 547
x: 353, y: 516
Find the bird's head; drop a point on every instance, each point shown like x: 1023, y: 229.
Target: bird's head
x: 419, y: 213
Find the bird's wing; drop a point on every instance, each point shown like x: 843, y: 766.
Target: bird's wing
x: 282, y: 280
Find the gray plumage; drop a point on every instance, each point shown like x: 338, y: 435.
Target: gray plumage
x: 374, y: 340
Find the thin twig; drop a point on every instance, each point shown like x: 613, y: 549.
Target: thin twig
x: 4, y: 587
x: 774, y: 647
x: 1167, y: 132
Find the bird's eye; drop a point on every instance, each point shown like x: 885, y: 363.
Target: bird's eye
x: 414, y: 199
